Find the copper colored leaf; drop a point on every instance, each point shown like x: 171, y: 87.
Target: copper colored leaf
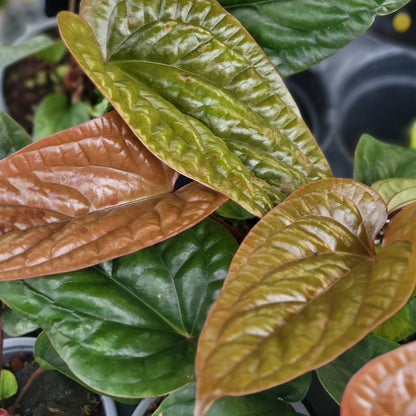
x: 386, y: 386
x: 86, y: 195
x: 200, y: 93
x: 304, y: 286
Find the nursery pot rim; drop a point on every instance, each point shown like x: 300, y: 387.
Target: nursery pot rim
x: 369, y: 79
x: 25, y: 344
x: 31, y: 30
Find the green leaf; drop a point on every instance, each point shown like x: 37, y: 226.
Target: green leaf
x: 232, y: 210
x: 397, y: 192
x: 376, y: 160
x: 200, y: 93
x: 8, y: 384
x: 182, y: 402
x: 53, y: 53
x: 16, y: 325
x: 401, y: 325
x: 55, y: 113
x: 87, y: 195
x: 294, y: 390
x: 384, y: 387
x: 132, y: 333
x: 299, y: 33
x: 12, y: 136
x: 335, y: 375
x: 10, y: 54
x: 304, y: 286
x: 47, y: 357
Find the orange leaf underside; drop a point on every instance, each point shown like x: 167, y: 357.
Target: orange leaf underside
x: 86, y: 195
x: 386, y: 386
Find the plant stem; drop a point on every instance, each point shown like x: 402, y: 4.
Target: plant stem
x: 1, y: 336
x: 24, y: 390
x: 71, y: 6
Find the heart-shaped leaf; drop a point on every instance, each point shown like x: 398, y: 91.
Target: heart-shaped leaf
x: 200, y: 93
x: 296, y: 34
x: 87, y: 195
x: 12, y: 136
x: 132, y: 332
x: 304, y: 286
x: 397, y: 192
x: 386, y: 386
x: 375, y: 160
x: 335, y: 375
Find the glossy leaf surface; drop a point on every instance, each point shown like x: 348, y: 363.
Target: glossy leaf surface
x: 131, y: 331
x: 10, y: 54
x: 200, y: 93
x: 55, y: 113
x: 376, y: 160
x: 16, y: 325
x: 182, y: 402
x: 86, y: 195
x: 296, y: 34
x: 12, y: 136
x: 397, y: 192
x: 304, y: 286
x: 335, y: 375
x: 386, y: 386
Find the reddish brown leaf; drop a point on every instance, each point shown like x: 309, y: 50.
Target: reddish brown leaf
x: 86, y: 195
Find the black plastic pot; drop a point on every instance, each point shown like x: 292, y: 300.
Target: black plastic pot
x: 53, y: 7
x: 379, y: 99
x: 13, y: 346
x: 311, y: 95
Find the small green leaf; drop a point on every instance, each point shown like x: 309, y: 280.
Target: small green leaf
x: 10, y: 54
x: 200, y: 93
x: 12, y: 136
x: 16, y: 325
x: 335, y: 375
x: 401, y: 325
x: 299, y: 33
x: 376, y: 160
x: 232, y: 210
x: 182, y: 402
x: 55, y: 113
x: 53, y: 53
x: 8, y: 384
x: 397, y: 192
x: 131, y: 333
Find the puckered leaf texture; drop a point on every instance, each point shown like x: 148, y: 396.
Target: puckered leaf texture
x: 304, y: 286
x: 86, y: 195
x: 200, y: 93
x: 386, y: 386
x: 129, y: 328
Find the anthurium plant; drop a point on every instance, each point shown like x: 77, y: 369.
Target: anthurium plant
x: 137, y: 280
